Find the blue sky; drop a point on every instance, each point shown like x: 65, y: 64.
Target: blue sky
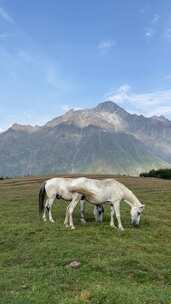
x: 56, y: 55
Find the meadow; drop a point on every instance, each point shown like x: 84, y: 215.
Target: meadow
x: 130, y: 267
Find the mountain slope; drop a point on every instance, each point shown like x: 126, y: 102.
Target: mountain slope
x: 105, y: 139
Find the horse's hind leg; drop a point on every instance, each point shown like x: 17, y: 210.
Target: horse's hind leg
x: 51, y: 200
x: 46, y: 210
x: 44, y: 214
x: 48, y: 207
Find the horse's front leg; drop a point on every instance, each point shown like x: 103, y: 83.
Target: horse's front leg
x: 66, y: 222
x: 116, y: 206
x: 71, y: 208
x: 82, y: 208
x: 112, y: 213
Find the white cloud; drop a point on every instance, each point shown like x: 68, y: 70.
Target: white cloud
x: 167, y: 33
x: 149, y: 33
x: 4, y: 15
x: 125, y: 88
x: 155, y: 18
x: 66, y: 108
x: 163, y: 110
x: 106, y: 45
x: 151, y: 30
x: 157, y: 102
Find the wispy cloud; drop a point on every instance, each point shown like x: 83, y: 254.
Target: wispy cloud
x: 151, y: 103
x: 4, y: 15
x: 163, y: 110
x: 155, y: 18
x: 145, y: 8
x: 167, y: 33
x: 66, y: 108
x: 151, y: 30
x: 4, y: 36
x: 106, y: 45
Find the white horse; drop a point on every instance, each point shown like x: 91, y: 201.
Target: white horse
x: 107, y: 191
x: 57, y: 188
x: 97, y: 192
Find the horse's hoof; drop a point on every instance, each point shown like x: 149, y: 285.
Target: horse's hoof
x: 72, y: 228
x: 113, y: 226
x: 52, y: 221
x: 121, y: 229
x: 66, y: 225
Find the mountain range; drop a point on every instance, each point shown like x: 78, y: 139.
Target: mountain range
x: 103, y: 140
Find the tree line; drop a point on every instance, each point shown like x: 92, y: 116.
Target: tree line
x: 160, y: 173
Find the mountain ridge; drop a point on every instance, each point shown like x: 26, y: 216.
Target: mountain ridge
x: 103, y: 105
x: 105, y: 138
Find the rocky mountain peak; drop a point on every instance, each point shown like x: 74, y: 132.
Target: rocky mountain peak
x: 110, y: 106
x: 106, y: 115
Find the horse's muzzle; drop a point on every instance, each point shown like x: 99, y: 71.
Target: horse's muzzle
x: 135, y: 224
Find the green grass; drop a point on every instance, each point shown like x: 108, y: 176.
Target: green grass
x: 131, y: 267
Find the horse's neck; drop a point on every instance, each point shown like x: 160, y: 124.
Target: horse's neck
x: 130, y: 198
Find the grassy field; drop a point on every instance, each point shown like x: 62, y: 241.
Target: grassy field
x: 130, y: 267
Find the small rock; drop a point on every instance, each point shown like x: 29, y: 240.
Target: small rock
x: 74, y: 264
x: 24, y: 286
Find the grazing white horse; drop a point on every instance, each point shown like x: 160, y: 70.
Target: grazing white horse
x: 97, y: 192
x: 107, y: 191
x: 57, y: 188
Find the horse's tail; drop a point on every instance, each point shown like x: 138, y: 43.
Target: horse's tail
x: 42, y: 194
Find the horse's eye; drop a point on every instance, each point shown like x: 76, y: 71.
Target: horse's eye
x: 139, y: 213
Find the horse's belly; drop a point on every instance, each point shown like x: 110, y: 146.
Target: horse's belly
x: 66, y: 195
x: 97, y: 198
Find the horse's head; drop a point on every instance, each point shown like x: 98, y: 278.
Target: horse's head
x: 136, y: 214
x: 98, y: 213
